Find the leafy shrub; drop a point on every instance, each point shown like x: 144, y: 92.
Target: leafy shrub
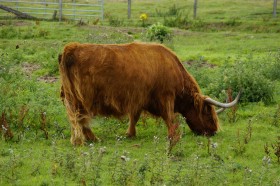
x: 158, y: 32
x: 245, y: 76
x: 272, y: 70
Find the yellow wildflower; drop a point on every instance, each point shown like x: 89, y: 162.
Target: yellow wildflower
x: 143, y: 17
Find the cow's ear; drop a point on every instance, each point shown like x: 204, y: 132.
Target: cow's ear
x: 59, y: 58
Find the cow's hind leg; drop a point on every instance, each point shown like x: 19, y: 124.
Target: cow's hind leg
x: 77, y: 136
x: 133, y: 118
x: 88, y: 134
x: 80, y: 130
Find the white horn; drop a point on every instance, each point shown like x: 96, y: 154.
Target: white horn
x: 223, y: 105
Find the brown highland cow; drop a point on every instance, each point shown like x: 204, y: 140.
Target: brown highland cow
x: 126, y: 79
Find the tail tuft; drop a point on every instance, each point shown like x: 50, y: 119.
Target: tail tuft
x: 68, y: 56
x: 59, y: 58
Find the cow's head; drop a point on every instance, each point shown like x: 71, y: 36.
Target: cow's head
x: 202, y: 118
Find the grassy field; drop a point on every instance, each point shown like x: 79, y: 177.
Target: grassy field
x: 231, y: 45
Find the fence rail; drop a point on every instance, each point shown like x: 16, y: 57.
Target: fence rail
x: 56, y: 9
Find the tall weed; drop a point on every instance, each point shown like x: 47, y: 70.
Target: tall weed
x: 115, y: 21
x: 180, y: 21
x: 172, y: 11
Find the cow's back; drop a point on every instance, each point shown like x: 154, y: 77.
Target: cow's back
x: 117, y: 79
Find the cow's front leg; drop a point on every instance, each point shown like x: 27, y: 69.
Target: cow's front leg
x: 133, y: 118
x: 168, y: 116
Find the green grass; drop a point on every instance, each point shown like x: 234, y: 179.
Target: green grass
x: 235, y: 156
x: 215, y: 47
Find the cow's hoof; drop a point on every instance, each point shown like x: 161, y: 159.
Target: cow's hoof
x: 129, y: 135
x: 77, y: 142
x: 94, y: 139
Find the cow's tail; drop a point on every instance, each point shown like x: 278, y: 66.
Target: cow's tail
x: 66, y: 61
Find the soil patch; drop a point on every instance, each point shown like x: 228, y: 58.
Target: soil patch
x: 14, y: 23
x: 199, y: 64
x: 29, y: 68
x: 22, y: 23
x: 47, y: 79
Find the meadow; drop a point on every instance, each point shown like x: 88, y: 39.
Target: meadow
x: 230, y: 46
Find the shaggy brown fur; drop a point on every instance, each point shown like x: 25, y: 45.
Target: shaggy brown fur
x: 117, y: 80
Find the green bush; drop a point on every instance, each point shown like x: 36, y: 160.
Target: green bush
x: 158, y: 32
x: 272, y: 70
x: 247, y: 76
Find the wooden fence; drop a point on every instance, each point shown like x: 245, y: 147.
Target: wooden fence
x: 54, y: 9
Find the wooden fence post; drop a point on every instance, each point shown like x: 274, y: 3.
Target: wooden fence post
x: 60, y: 10
x: 102, y: 9
x: 129, y: 9
x: 275, y: 8
x: 194, y: 9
